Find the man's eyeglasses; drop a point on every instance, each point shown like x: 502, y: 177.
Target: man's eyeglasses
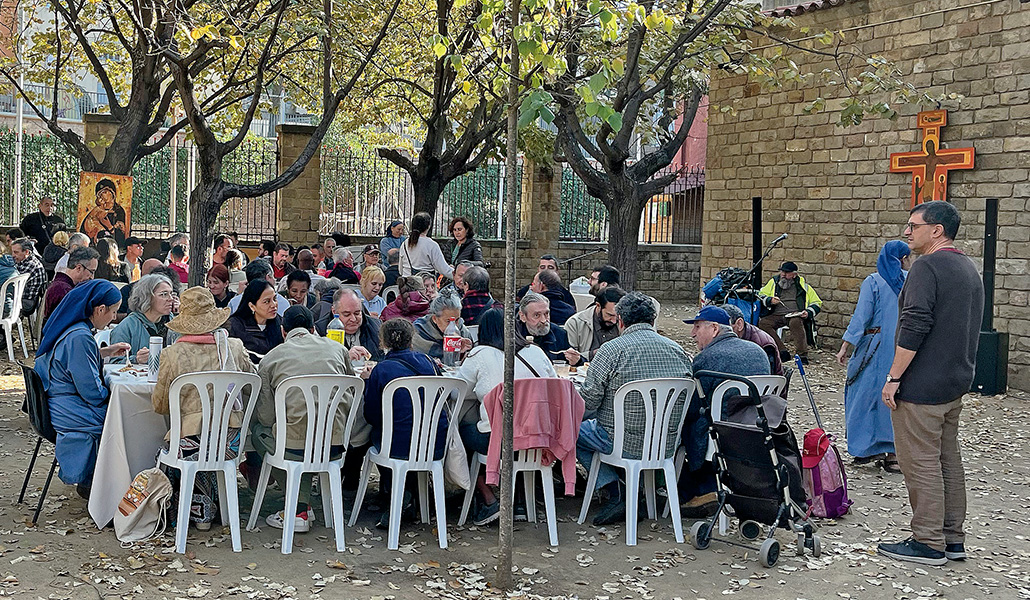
x: 91, y: 271
x: 913, y: 226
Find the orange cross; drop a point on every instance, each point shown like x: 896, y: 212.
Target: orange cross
x: 932, y: 160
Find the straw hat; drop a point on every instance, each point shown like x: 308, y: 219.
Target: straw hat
x: 197, y: 313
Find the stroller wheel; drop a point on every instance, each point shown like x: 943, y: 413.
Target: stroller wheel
x: 700, y: 535
x: 817, y: 546
x: 769, y: 553
x: 750, y: 530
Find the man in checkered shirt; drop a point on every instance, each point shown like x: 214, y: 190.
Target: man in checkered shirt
x: 638, y: 353
x: 26, y: 262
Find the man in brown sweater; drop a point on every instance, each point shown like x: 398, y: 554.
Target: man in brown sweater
x: 941, y: 307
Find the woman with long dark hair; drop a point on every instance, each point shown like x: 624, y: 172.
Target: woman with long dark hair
x: 466, y: 248
x: 420, y: 253
x: 255, y: 322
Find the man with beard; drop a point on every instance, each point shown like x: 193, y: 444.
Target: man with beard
x: 535, y: 320
x: 593, y: 326
x: 602, y: 277
x: 788, y: 300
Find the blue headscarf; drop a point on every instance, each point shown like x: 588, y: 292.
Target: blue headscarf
x: 389, y: 228
x: 888, y: 264
x: 76, y: 307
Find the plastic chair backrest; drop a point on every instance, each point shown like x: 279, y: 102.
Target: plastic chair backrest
x: 103, y: 337
x: 583, y: 300
x: 768, y: 385
x: 661, y: 399
x: 429, y: 396
x: 15, y: 288
x: 322, y: 396
x: 390, y: 294
x: 37, y: 404
x: 218, y: 391
x: 473, y: 332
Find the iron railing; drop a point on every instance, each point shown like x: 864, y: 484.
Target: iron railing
x: 162, y: 183
x: 363, y: 192
x: 72, y: 102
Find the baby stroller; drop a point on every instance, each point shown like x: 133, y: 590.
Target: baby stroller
x: 758, y: 469
x: 729, y: 287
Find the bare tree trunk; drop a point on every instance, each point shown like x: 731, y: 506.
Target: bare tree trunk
x: 623, y: 234
x: 428, y: 185
x: 205, y: 202
x: 506, y: 535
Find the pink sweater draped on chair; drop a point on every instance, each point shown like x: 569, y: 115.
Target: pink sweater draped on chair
x: 547, y: 415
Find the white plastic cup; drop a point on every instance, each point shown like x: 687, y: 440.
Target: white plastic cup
x: 154, y: 362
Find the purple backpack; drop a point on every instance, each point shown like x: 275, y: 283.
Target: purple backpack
x: 824, y: 477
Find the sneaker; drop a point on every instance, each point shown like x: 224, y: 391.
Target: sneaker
x: 301, y: 523
x: 407, y: 512
x: 521, y: 516
x: 955, y: 552
x: 913, y: 551
x: 487, y: 513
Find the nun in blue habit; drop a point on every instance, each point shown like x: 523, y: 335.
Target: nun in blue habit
x: 70, y: 365
x: 871, y: 333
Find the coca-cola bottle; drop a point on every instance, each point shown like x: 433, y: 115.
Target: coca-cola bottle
x: 451, y: 344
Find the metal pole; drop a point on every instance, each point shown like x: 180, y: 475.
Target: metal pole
x: 990, y: 256
x: 756, y: 239
x: 173, y: 183
x: 19, y: 144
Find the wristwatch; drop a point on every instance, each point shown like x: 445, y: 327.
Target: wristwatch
x: 892, y: 379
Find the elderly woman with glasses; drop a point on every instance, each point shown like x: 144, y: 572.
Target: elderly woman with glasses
x: 150, y: 305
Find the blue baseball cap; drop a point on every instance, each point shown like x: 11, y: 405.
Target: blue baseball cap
x: 712, y: 314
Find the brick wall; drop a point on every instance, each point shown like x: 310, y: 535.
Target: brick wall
x: 830, y: 188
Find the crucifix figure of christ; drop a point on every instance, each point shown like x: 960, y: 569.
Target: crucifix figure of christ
x: 930, y: 165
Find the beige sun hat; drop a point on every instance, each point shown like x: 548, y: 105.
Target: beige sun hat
x: 197, y: 313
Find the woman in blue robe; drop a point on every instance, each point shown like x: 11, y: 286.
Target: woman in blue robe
x: 70, y: 365
x: 871, y: 333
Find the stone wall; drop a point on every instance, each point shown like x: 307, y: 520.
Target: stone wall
x: 830, y: 188
x: 669, y: 272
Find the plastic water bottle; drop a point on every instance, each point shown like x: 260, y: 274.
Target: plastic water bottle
x: 451, y: 344
x: 334, y: 330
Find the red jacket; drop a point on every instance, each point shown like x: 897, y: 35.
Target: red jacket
x: 548, y: 412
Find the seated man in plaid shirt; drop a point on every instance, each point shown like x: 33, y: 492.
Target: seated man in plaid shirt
x: 26, y: 262
x: 638, y: 353
x: 477, y: 298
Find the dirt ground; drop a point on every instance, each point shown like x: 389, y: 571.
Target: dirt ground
x: 65, y: 556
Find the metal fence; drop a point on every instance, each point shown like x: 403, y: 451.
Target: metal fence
x: 161, y: 185
x: 362, y: 192
x: 72, y: 102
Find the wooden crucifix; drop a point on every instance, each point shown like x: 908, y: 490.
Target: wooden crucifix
x: 930, y: 165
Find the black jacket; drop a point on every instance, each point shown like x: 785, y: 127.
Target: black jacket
x: 368, y: 333
x: 552, y: 344
x: 565, y: 293
x: 256, y: 341
x: 471, y: 251
x: 560, y: 309
x: 42, y: 228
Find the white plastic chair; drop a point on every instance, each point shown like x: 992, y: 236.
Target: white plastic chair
x: 322, y: 394
x: 473, y: 333
x: 583, y: 300
x: 429, y: 396
x: 103, y: 337
x: 226, y: 389
x: 662, y: 399
x: 15, y: 288
x: 527, y: 462
x: 390, y: 293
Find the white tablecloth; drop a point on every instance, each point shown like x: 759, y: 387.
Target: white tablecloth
x: 133, y: 433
